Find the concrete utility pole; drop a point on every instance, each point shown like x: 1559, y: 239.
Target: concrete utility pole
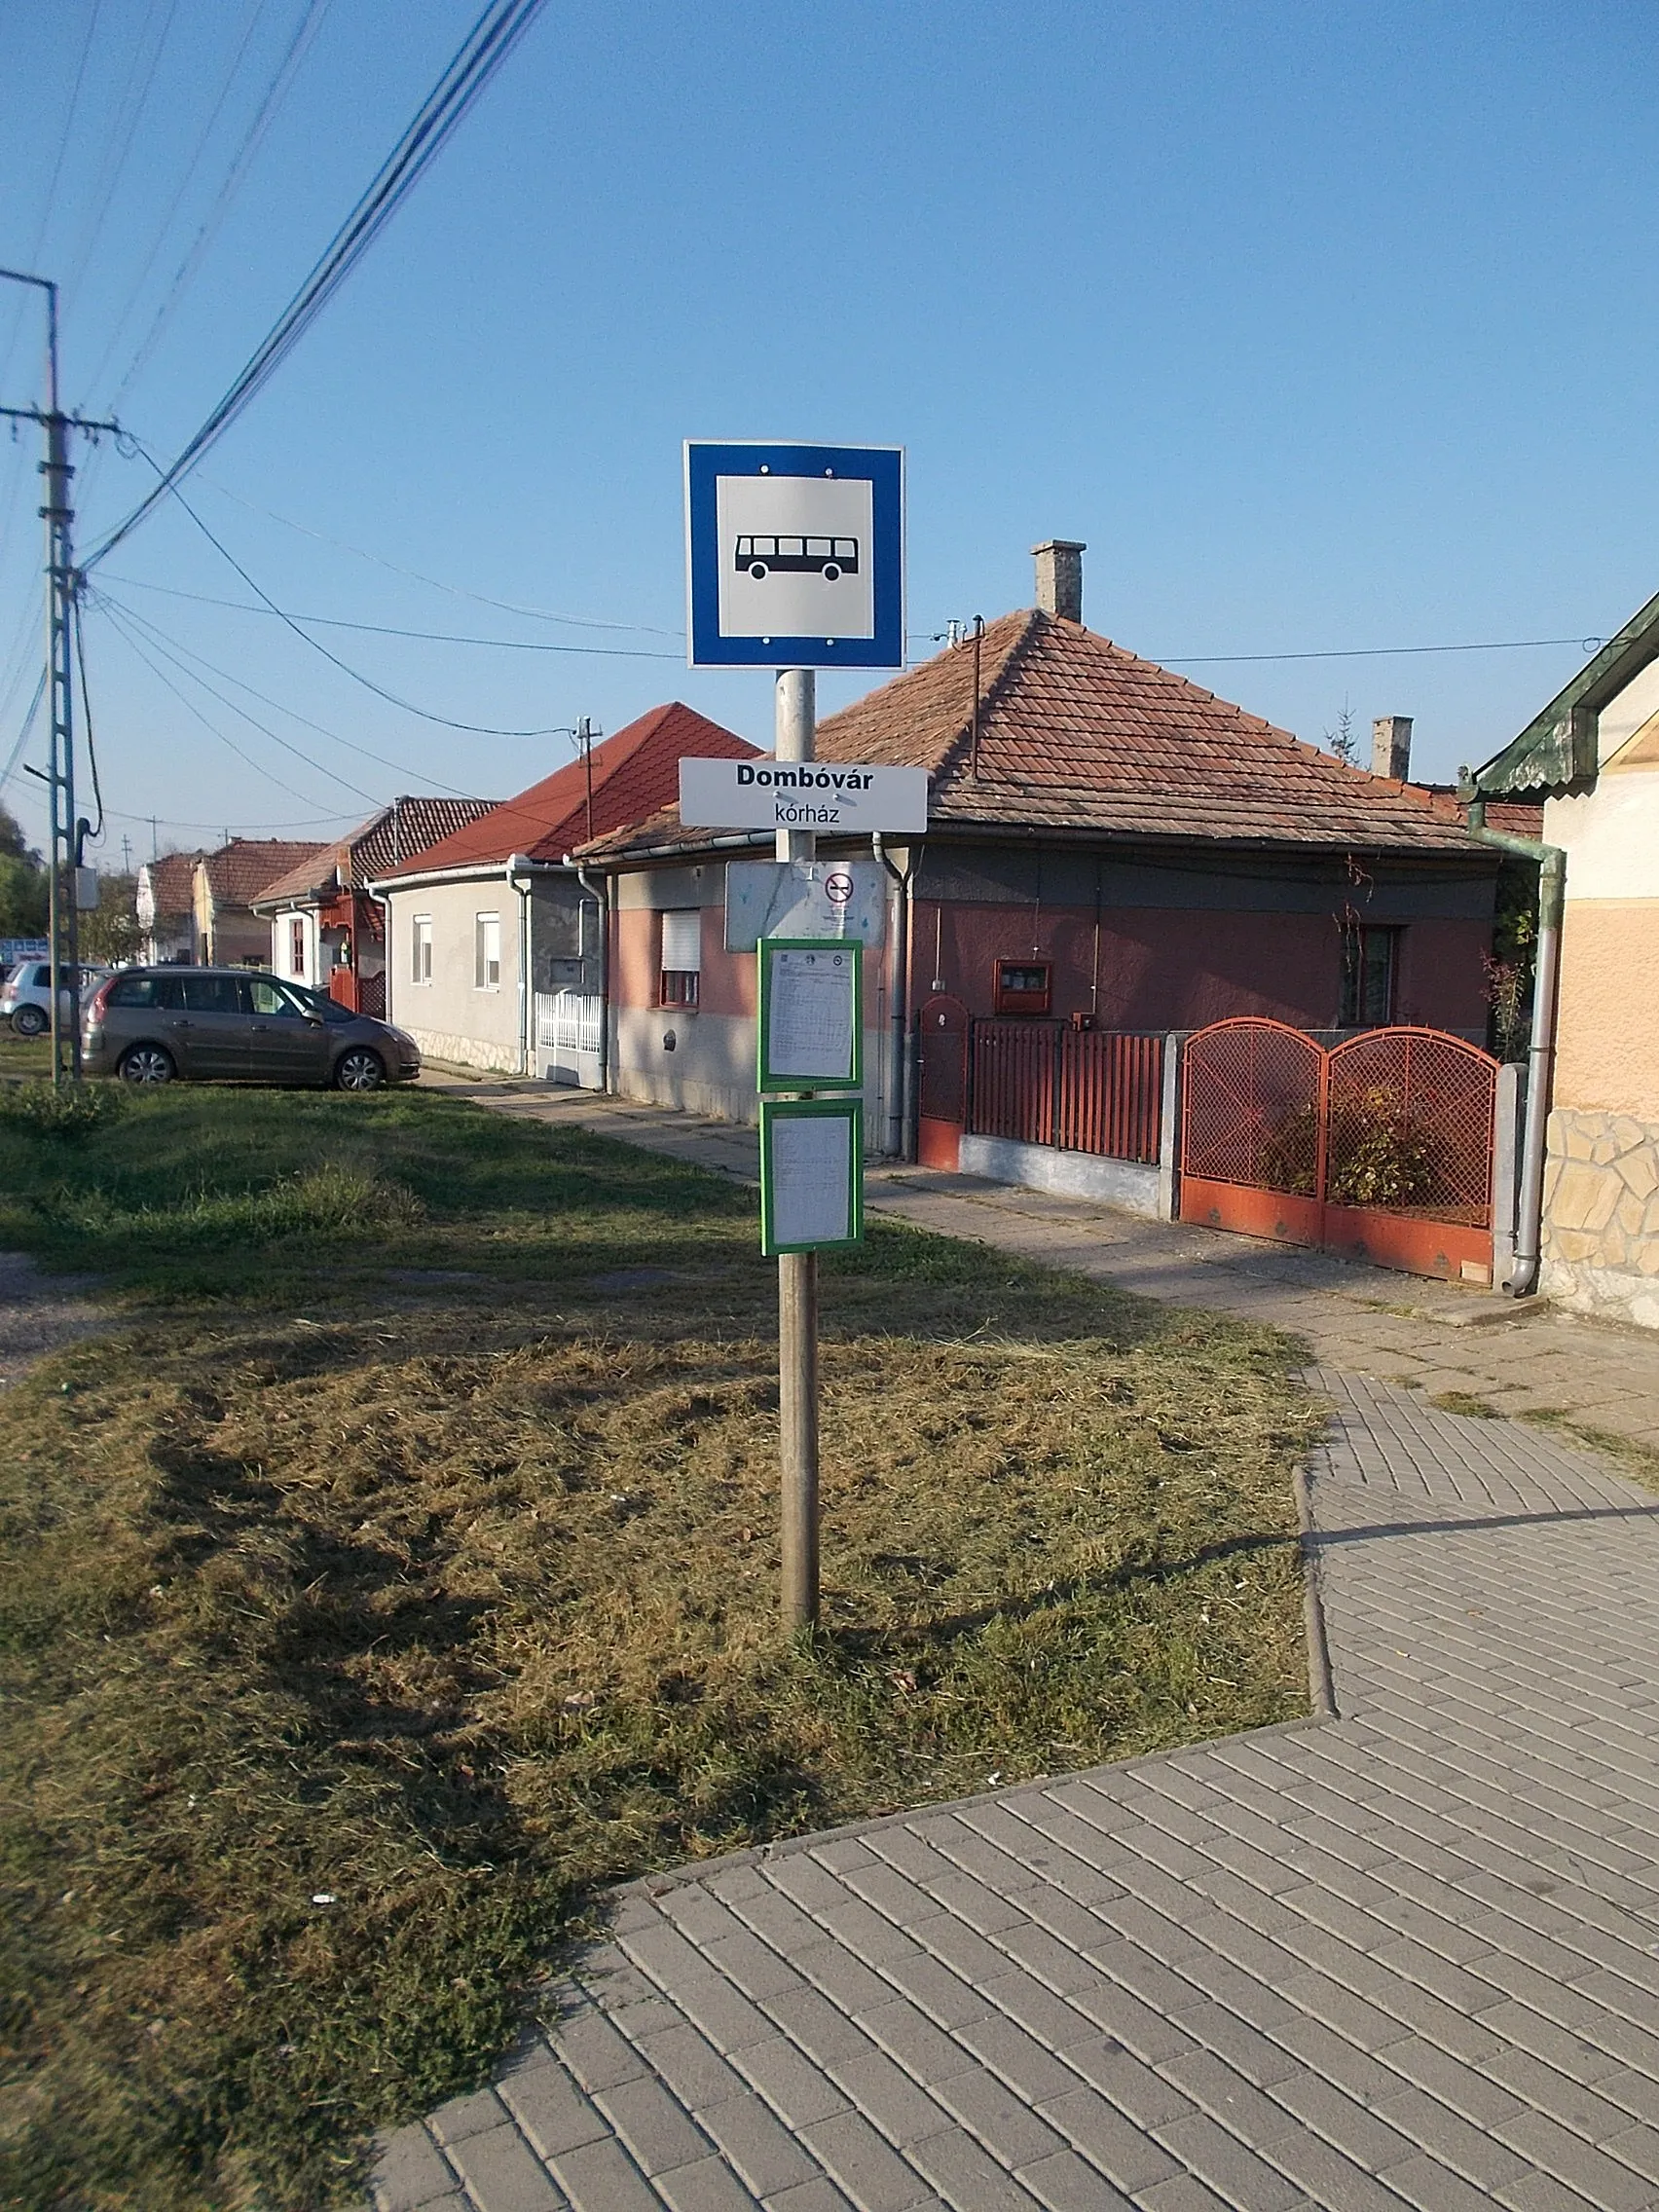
x: 64, y: 855
x: 796, y: 702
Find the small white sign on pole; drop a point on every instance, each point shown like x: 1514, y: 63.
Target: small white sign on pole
x: 836, y: 798
x: 827, y: 898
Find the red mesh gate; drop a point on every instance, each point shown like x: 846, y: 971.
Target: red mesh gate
x: 1408, y: 1171
x: 941, y: 1078
x: 1251, y: 1130
x: 1380, y: 1148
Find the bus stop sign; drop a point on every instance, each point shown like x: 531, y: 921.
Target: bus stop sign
x: 794, y: 556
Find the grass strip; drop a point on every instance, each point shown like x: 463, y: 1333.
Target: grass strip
x: 404, y: 1570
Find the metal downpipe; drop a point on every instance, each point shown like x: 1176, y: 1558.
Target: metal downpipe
x: 899, y: 1003
x: 1540, y: 1057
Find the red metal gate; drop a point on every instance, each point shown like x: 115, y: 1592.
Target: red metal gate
x: 941, y: 1076
x: 1380, y: 1148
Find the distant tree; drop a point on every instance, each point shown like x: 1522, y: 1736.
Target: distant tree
x: 1342, y: 740
x: 14, y: 846
x: 23, y: 882
x: 109, y: 931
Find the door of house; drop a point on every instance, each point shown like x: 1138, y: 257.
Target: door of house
x: 1380, y: 1149
x: 942, y: 1081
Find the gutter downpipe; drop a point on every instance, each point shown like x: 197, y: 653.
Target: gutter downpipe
x: 602, y: 900
x: 516, y: 862
x: 1540, y: 1057
x: 898, y: 1015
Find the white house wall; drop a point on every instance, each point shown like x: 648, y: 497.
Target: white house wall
x: 450, y: 1017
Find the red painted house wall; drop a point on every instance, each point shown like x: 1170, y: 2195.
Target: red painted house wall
x: 1178, y: 969
x: 1158, y: 968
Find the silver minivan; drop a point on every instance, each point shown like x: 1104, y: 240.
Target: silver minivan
x: 153, y: 1025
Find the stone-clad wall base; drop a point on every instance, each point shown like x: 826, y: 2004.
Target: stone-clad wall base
x: 1601, y: 1216
x: 463, y: 1052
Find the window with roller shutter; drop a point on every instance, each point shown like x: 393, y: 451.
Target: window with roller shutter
x: 681, y: 965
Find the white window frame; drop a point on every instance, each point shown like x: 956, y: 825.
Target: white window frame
x: 421, y: 948
x: 486, y: 927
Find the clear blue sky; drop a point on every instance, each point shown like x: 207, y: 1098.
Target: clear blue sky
x: 1325, y: 327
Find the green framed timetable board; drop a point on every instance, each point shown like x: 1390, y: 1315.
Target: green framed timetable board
x: 811, y: 1027
x: 811, y: 1175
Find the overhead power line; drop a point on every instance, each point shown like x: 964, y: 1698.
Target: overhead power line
x: 264, y: 115
x: 17, y: 752
x: 170, y: 647
x: 435, y: 583
x: 444, y: 721
x: 230, y: 742
x: 475, y: 62
x: 390, y: 630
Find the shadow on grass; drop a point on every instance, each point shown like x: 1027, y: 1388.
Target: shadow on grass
x: 359, y: 1628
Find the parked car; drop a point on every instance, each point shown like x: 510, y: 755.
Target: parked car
x: 25, y: 996
x: 152, y: 1025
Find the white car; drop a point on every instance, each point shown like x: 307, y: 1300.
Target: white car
x: 25, y: 996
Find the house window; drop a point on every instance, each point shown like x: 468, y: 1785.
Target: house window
x: 420, y: 951
x: 487, y: 951
x: 1369, y: 957
x: 297, y: 947
x: 681, y: 970
x: 1022, y: 986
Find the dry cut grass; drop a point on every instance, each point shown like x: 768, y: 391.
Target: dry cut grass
x: 352, y: 1650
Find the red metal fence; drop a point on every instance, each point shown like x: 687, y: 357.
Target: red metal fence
x: 1381, y: 1148
x: 1099, y: 1090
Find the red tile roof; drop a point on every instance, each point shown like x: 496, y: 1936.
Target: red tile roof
x: 172, y: 879
x: 396, y: 833
x: 237, y: 873
x: 1077, y: 735
x: 634, y: 773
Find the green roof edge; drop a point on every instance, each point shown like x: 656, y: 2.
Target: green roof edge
x: 1559, y: 747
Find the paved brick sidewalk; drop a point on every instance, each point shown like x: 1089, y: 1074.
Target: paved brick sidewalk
x: 1405, y: 1957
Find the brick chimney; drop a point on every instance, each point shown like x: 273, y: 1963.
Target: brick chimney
x: 1059, y: 576
x: 1391, y: 747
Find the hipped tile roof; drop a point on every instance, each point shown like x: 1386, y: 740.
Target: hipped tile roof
x: 394, y: 835
x: 1077, y: 735
x: 634, y: 773
x: 237, y: 873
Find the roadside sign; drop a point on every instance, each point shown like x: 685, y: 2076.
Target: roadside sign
x: 836, y: 798
x: 811, y: 1027
x: 794, y: 556
x: 804, y: 898
x: 811, y: 1175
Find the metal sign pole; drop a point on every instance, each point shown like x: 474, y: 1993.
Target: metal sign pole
x: 796, y: 702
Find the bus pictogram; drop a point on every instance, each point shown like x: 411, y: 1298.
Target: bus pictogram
x: 831, y: 558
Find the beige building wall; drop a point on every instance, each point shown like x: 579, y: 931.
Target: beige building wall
x: 1602, y: 1183
x: 452, y: 1017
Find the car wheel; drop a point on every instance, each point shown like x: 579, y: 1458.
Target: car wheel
x: 360, y: 1069
x: 758, y: 571
x: 831, y: 572
x: 29, y: 1022
x: 147, y: 1063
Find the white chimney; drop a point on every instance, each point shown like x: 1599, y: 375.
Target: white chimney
x: 1391, y: 747
x: 1059, y: 576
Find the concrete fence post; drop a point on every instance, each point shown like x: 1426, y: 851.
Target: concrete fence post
x: 1169, y: 1127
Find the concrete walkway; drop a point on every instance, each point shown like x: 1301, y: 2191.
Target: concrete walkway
x: 1409, y: 1956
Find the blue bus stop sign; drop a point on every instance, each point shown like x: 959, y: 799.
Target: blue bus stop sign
x: 794, y: 556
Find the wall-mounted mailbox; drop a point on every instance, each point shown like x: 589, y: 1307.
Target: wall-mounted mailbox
x: 1022, y: 986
